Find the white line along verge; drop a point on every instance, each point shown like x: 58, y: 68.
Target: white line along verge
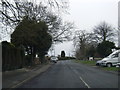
x: 84, y: 82
x: 18, y: 84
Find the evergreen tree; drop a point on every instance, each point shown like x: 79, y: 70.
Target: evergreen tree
x: 105, y: 48
x: 62, y: 53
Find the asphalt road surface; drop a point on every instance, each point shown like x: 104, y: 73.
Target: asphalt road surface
x: 68, y: 74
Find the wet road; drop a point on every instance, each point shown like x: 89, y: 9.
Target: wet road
x: 68, y: 74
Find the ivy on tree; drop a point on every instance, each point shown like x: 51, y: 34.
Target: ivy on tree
x: 33, y: 36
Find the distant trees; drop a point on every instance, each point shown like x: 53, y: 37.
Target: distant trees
x: 96, y: 43
x: 63, y: 54
x: 90, y: 52
x: 81, y: 39
x: 105, y: 48
x: 84, y: 42
x: 104, y: 32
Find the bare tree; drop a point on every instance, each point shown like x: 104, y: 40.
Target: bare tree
x: 57, y: 5
x: 12, y: 14
x: 83, y: 42
x: 104, y: 31
x: 82, y: 37
x: 64, y: 32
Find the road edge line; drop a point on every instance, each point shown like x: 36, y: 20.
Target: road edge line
x: 25, y: 80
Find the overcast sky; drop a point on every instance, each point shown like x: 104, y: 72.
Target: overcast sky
x: 86, y: 14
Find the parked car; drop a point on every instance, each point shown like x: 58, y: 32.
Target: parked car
x: 54, y: 59
x: 98, y: 63
x: 111, y: 60
x: 118, y: 64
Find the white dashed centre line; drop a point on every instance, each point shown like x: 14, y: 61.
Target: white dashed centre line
x: 84, y: 82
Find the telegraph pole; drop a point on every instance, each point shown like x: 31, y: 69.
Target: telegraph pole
x: 119, y: 24
x: 119, y: 29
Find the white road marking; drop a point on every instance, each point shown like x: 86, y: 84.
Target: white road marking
x: 80, y: 77
x: 14, y: 86
x: 84, y: 82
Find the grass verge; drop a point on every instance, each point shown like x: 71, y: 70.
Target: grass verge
x: 111, y: 68
x: 93, y: 63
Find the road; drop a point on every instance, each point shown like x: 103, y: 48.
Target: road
x: 68, y: 74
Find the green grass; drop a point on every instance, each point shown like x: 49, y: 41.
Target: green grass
x: 93, y: 63
x: 110, y: 68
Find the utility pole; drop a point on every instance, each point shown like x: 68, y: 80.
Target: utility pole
x: 119, y: 28
x: 54, y: 51
x: 119, y: 24
x: 0, y: 65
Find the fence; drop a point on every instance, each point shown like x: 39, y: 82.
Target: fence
x: 12, y: 57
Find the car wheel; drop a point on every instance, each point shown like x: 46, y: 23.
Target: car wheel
x: 109, y: 65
